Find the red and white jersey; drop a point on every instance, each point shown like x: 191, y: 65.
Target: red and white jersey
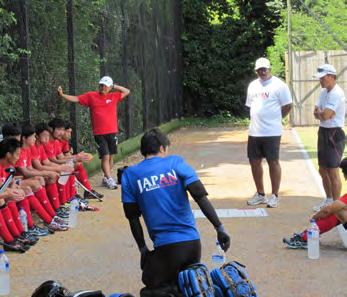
x: 39, y: 151
x: 24, y: 158
x: 3, y: 173
x: 65, y: 146
x: 103, y: 111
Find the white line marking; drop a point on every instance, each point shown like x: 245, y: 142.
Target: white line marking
x: 309, y: 163
x: 234, y: 213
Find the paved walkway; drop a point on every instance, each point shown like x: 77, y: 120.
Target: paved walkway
x: 101, y: 254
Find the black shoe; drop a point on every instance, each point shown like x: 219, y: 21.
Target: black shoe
x: 15, y: 246
x: 295, y: 242
x: 92, y: 195
x: 27, y: 238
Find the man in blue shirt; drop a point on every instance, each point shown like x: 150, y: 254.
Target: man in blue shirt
x: 156, y: 188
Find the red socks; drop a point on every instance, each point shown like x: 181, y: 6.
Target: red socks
x: 4, y: 232
x: 15, y: 215
x: 82, y: 176
x: 42, y: 196
x: 324, y: 225
x: 42, y: 213
x: 11, y: 225
x: 25, y: 204
x: 53, y: 195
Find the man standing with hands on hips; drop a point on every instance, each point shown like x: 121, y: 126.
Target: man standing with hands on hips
x: 269, y: 100
x: 330, y: 111
x: 103, y: 111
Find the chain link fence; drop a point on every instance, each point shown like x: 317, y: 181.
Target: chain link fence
x: 137, y: 43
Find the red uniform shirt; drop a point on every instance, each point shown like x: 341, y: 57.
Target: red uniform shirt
x: 41, y: 151
x: 24, y: 158
x: 343, y: 199
x: 50, y: 149
x: 103, y: 111
x: 35, y: 155
x: 3, y: 174
x: 65, y: 146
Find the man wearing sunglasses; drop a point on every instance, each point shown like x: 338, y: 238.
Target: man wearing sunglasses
x: 269, y: 100
x: 330, y: 111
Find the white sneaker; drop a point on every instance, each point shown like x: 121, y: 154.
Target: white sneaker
x: 325, y: 202
x: 111, y: 184
x: 257, y: 199
x: 273, y: 201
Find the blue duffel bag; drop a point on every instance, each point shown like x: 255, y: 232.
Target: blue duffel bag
x: 196, y: 281
x: 232, y: 280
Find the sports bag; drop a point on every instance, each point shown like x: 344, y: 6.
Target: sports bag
x: 233, y: 281
x: 196, y: 281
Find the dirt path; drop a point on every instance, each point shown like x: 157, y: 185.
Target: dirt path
x: 101, y: 254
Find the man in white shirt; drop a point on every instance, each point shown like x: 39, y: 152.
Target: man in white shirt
x: 330, y: 111
x: 269, y: 100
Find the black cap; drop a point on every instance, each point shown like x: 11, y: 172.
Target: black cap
x: 343, y: 166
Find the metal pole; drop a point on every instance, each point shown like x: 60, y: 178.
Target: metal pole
x: 290, y: 55
x: 71, y: 71
x: 24, y: 60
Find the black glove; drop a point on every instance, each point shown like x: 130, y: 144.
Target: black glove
x: 223, y: 238
x: 144, y: 254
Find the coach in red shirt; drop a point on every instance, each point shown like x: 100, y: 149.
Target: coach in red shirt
x: 103, y: 111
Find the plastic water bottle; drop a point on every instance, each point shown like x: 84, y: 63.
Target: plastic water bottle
x: 73, y: 213
x: 313, y: 240
x: 23, y: 219
x: 343, y: 234
x: 218, y: 256
x: 4, y: 274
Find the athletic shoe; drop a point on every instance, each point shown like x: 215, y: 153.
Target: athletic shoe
x: 28, y: 239
x: 57, y: 227
x: 62, y: 213
x: 325, y: 202
x: 59, y: 221
x: 110, y: 183
x: 257, y: 199
x: 273, y: 201
x: 38, y: 231
x: 15, y: 246
x: 295, y: 242
x: 92, y: 195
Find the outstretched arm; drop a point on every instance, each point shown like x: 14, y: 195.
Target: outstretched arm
x: 69, y: 98
x: 199, y: 194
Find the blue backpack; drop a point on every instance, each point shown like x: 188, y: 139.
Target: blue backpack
x: 232, y: 280
x: 196, y: 281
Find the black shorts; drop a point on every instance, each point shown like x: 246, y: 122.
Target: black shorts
x: 263, y: 147
x: 106, y: 144
x: 331, y: 144
x: 164, y: 263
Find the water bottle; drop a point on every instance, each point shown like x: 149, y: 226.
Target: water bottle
x: 218, y: 256
x: 313, y: 240
x: 343, y: 234
x: 74, y: 205
x: 23, y: 219
x: 4, y: 274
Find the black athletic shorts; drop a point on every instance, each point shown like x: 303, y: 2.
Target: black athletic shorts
x: 263, y: 147
x: 163, y: 264
x: 106, y: 144
x: 331, y: 144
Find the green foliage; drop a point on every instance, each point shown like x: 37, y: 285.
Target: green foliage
x: 221, y: 41
x: 307, y: 32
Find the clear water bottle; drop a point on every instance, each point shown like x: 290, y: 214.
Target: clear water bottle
x: 23, y: 219
x: 313, y: 240
x: 4, y: 274
x: 218, y: 256
x: 74, y: 205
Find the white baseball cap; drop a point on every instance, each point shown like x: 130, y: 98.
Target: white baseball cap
x: 107, y: 81
x: 325, y: 69
x: 262, y: 63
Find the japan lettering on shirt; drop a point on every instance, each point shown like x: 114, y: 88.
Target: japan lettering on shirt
x: 157, y: 181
